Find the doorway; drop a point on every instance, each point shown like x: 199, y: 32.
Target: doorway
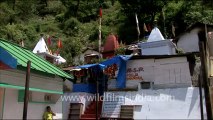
x: 1, y: 102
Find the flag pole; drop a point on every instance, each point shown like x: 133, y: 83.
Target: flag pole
x: 138, y: 29
x: 99, y: 41
x: 99, y: 49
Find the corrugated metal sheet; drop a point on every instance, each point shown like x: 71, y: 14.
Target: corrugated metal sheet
x: 23, y: 55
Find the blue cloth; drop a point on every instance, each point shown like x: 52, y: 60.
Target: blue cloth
x: 7, y: 58
x: 98, y: 66
x: 119, y: 60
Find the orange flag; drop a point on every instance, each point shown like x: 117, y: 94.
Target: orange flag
x: 59, y: 44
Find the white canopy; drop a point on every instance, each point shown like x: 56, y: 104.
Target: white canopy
x: 41, y: 47
x: 155, y: 35
x: 60, y: 60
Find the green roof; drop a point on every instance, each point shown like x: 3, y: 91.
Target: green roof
x: 37, y: 63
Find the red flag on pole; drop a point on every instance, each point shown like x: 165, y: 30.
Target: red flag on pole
x: 100, y: 12
x: 49, y: 41
x: 59, y: 44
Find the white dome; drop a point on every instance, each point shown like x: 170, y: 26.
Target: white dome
x: 155, y: 35
x: 41, y: 47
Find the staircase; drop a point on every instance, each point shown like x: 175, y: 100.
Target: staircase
x: 127, y: 112
x: 75, y: 111
x: 90, y: 112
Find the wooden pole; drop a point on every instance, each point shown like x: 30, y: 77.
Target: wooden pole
x: 97, y: 96
x: 205, y: 80
x: 26, y: 93
x: 201, y: 97
x: 99, y: 41
x: 99, y: 49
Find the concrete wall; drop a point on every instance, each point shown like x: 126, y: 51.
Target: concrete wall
x: 77, y: 97
x: 161, y: 47
x: 163, y: 72
x: 18, y: 77
x: 176, y: 103
x: 189, y: 41
x: 161, y: 50
x: 14, y: 109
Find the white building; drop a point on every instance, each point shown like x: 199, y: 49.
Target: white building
x: 45, y: 85
x: 157, y: 87
x: 157, y: 45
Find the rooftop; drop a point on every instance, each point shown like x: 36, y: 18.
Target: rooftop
x: 37, y: 64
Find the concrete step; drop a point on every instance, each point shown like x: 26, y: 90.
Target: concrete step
x: 89, y: 116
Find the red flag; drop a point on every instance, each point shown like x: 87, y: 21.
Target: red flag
x: 100, y: 12
x: 49, y: 41
x: 59, y: 44
x: 149, y: 28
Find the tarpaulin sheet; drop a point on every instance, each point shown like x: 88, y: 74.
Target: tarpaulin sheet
x: 120, y: 60
x: 7, y: 59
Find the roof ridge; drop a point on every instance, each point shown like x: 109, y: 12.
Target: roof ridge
x: 16, y: 44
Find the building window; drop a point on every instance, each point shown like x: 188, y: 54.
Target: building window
x: 47, y: 98
x: 146, y: 85
x: 21, y: 96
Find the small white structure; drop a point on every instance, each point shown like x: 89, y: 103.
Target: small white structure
x: 157, y: 45
x: 86, y: 56
x: 188, y: 41
x: 41, y: 47
x: 42, y: 50
x: 60, y: 59
x: 155, y: 35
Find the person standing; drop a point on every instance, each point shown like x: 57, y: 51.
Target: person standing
x: 48, y: 114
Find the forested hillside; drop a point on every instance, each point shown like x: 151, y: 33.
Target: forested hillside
x: 75, y: 22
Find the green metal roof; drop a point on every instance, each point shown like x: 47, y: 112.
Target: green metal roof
x: 37, y: 63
